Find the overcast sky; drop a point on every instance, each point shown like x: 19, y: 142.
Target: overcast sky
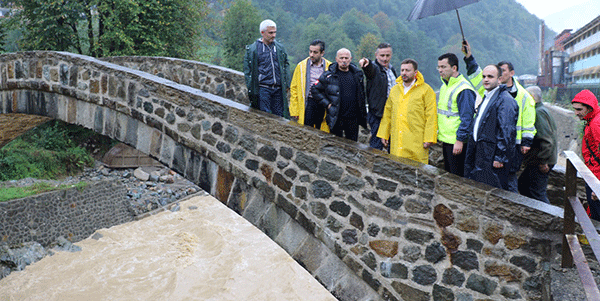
x: 575, y: 13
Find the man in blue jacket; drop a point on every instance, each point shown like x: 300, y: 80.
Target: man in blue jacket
x: 265, y: 70
x: 493, y: 133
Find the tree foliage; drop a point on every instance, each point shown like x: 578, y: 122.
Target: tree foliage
x: 240, y: 28
x: 112, y: 27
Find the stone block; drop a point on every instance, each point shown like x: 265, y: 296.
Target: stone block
x: 474, y: 244
x: 525, y: 262
x: 311, y: 254
x: 321, y: 189
x: 351, y: 287
x: 424, y: 275
x: 411, y: 253
x: 349, y: 236
x: 393, y: 270
x: 384, y: 248
x: 330, y: 271
x: 414, y: 205
x: 492, y: 232
x: 280, y: 181
x: 372, y: 282
x: 443, y: 216
x: 435, y: 252
x: 441, y: 293
x: 408, y: 292
x: 340, y: 208
x: 481, y: 284
x: 330, y: 171
x: 418, y: 236
x: 273, y: 221
x: 467, y: 221
x: 291, y: 237
x: 351, y: 183
x: 466, y: 260
x: 503, y: 271
x: 514, y: 241
x: 453, y: 276
x: 357, y: 221
x: 393, y: 202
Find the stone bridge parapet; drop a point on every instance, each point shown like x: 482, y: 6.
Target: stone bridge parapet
x: 367, y: 225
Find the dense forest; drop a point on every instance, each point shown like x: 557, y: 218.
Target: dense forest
x: 497, y: 30
x: 215, y: 31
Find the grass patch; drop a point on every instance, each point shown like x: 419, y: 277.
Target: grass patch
x: 51, y: 151
x: 10, y: 193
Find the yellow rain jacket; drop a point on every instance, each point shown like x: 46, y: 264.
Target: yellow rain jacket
x: 299, y: 93
x: 410, y: 119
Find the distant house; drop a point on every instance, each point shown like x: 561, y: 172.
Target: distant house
x: 583, y: 49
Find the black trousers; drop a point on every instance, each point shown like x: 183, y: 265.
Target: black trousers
x: 346, y: 128
x: 313, y: 113
x: 454, y: 164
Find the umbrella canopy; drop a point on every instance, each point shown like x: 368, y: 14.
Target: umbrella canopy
x: 426, y: 8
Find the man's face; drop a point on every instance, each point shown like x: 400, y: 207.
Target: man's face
x: 408, y: 72
x: 490, y: 78
x: 445, y: 70
x: 268, y: 36
x: 343, y: 58
x: 315, y: 54
x: 581, y: 110
x: 384, y: 55
x: 506, y: 74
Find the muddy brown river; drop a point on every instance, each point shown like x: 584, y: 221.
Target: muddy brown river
x: 208, y: 253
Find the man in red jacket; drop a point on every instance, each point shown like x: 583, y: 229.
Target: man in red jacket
x: 586, y: 108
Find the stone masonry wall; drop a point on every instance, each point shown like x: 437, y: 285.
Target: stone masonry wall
x: 212, y: 79
x: 73, y: 213
x: 367, y: 225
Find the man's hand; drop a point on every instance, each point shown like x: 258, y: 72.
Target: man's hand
x: 466, y: 49
x: 364, y: 62
x: 544, y: 168
x: 294, y: 118
x: 427, y: 144
x: 385, y: 142
x: 458, y: 148
x: 498, y: 164
x: 525, y: 149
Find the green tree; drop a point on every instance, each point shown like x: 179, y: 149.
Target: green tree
x: 367, y: 46
x: 240, y: 28
x: 113, y: 27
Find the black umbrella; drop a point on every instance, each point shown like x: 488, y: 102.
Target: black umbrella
x: 426, y: 8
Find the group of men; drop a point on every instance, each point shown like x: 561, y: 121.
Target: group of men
x: 486, y: 121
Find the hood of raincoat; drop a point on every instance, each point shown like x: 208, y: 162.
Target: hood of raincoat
x: 586, y: 97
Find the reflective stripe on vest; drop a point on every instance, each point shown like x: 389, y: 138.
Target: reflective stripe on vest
x: 448, y: 117
x: 450, y: 98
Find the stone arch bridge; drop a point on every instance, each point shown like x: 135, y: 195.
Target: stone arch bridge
x: 367, y: 225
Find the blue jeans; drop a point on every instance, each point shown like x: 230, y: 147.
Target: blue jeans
x: 533, y: 183
x: 270, y: 100
x: 374, y: 121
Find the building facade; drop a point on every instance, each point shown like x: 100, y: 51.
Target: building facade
x: 583, y: 49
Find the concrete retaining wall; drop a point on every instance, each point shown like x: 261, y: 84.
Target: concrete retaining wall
x: 73, y: 213
x: 366, y: 224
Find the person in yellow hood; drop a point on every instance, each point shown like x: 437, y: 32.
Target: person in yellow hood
x: 410, y: 115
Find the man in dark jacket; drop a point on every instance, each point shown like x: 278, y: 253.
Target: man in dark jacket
x: 493, y: 133
x: 541, y: 158
x: 341, y: 91
x: 266, y: 72
x: 381, y: 77
x: 586, y: 108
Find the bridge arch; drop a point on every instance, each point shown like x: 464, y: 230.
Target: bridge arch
x: 365, y: 224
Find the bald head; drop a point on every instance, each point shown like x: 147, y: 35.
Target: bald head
x: 536, y: 93
x: 491, y: 77
x: 343, y: 59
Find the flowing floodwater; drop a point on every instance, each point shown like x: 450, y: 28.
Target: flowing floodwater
x: 202, y: 252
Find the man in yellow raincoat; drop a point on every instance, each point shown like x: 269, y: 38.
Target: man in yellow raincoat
x: 410, y: 115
